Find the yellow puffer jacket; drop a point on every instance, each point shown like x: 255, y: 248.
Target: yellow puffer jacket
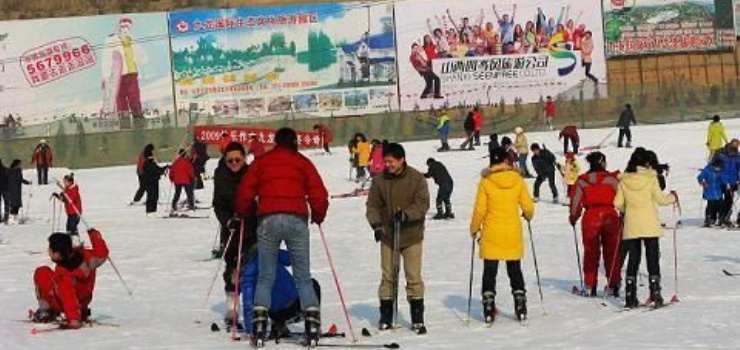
x: 571, y: 171
x: 362, y: 150
x: 502, y: 196
x: 638, y: 198
x: 521, y: 144
x: 716, y: 137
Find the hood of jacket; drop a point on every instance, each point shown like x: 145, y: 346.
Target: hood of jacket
x: 639, y: 180
x: 501, y: 175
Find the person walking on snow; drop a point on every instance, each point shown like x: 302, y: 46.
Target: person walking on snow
x: 199, y: 153
x: 469, y: 126
x: 15, y: 191
x: 182, y: 175
x: 68, y: 288
x: 638, y: 197
x: 400, y: 195
x: 43, y: 158
x: 522, y: 147
x: 501, y: 200
x: 362, y: 152
x: 443, y: 129
x: 438, y: 172
x: 601, y: 226
x: 549, y: 112
x: 569, y: 135
x: 140, y: 161
x: 716, y: 136
x: 626, y: 119
x: 72, y: 200
x: 325, y: 136
x: 286, y: 184
x: 152, y: 172
x: 478, y: 119
x: 544, y: 163
x: 713, y: 182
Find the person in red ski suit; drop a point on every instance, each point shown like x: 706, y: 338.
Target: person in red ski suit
x: 569, y: 134
x: 325, y: 135
x: 601, y: 224
x: 70, y: 196
x: 182, y: 175
x: 68, y: 288
x: 256, y: 147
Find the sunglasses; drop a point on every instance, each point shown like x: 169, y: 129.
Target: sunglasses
x: 234, y: 160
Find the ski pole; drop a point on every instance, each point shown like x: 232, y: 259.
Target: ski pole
x: 674, y: 298
x: 536, y: 267
x: 396, y: 266
x: 578, y: 258
x: 617, y: 253
x: 215, y: 238
x: 218, y: 268
x: 53, y: 214
x: 337, y: 285
x: 236, y: 284
x: 470, y: 278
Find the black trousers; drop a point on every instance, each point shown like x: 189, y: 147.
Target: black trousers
x: 43, y: 174
x: 728, y: 201
x: 431, y: 83
x: 477, y: 137
x: 152, y: 196
x: 624, y: 132
x: 713, y: 210
x: 140, y: 192
x: 443, y: 196
x: 567, y: 140
x: 632, y: 248
x: 188, y: 193
x: 550, y: 180
x: 513, y: 269
x: 587, y: 66
x: 231, y: 252
x: 326, y: 147
x: 72, y: 222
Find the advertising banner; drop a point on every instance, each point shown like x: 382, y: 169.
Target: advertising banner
x: 102, y: 66
x: 211, y: 135
x: 318, y: 59
x: 636, y: 27
x: 467, y: 52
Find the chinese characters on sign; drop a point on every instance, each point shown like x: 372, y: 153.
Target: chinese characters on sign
x: 57, y: 59
x: 247, y: 22
x: 211, y: 134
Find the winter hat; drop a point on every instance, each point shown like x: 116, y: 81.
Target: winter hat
x: 43, y: 140
x: 570, y: 155
x: 60, y: 243
x: 715, y: 118
x: 430, y: 161
x: 499, y: 155
x: 518, y: 130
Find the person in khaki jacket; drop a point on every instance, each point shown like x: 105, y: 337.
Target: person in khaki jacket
x: 522, y: 147
x: 638, y: 197
x: 501, y: 201
x: 400, y: 193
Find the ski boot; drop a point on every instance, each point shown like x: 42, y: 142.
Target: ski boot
x: 232, y: 313
x: 417, y: 316
x: 44, y: 316
x: 313, y: 326
x: 555, y: 200
x: 630, y: 293
x: 86, y: 313
x: 590, y: 291
x: 386, y: 315
x: 489, y: 308
x: 613, y: 291
x: 655, y: 296
x: 448, y: 212
x: 440, y: 214
x: 707, y: 223
x: 259, y: 326
x: 520, y: 305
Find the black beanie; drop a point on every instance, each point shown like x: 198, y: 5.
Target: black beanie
x: 60, y: 243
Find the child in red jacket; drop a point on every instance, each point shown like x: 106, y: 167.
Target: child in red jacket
x: 70, y: 196
x: 182, y: 175
x: 68, y: 289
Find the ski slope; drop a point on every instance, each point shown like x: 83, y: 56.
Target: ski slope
x: 163, y: 262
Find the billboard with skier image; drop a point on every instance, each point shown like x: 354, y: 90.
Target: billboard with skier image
x: 636, y: 27
x: 467, y: 52
x: 98, y: 67
x: 290, y: 56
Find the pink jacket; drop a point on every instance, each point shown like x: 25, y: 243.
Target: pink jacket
x: 377, y: 165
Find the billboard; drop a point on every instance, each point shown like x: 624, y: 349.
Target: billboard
x: 101, y: 66
x: 472, y: 52
x: 633, y: 27
x: 318, y: 59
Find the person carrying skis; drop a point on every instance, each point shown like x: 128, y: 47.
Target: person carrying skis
x: 43, y: 158
x: 544, y: 163
x: 626, y: 119
x: 362, y: 153
x: 68, y: 288
x: 287, y: 185
x: 399, y: 197
x: 501, y: 200
x: 72, y: 200
x: 638, y: 197
x: 571, y: 170
x: 522, y: 148
x: 151, y: 174
x: 140, y: 161
x: 14, y: 195
x: 443, y: 129
x: 325, y: 136
x: 713, y: 181
x: 601, y: 226
x: 569, y: 135
x: 469, y: 126
x: 716, y: 136
x: 182, y: 176
x: 730, y: 166
x: 438, y: 172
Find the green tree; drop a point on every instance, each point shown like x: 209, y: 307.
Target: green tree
x: 277, y: 42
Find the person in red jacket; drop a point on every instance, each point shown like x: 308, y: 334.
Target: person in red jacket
x: 325, y: 136
x: 595, y: 191
x: 287, y: 184
x: 256, y: 147
x: 68, y: 288
x: 549, y: 111
x: 43, y: 158
x: 478, y: 121
x: 569, y: 134
x: 70, y: 196
x: 182, y: 175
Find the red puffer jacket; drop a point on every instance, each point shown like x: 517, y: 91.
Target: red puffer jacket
x: 325, y: 134
x: 283, y: 181
x: 182, y: 172
x: 72, y: 200
x: 569, y: 131
x: 594, y: 190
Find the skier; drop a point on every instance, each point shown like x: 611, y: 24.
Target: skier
x: 469, y: 126
x: 442, y: 178
x: 68, y: 289
x: 200, y: 156
x: 478, y: 118
x: 507, y: 145
x: 362, y: 153
x: 182, y: 176
x: 72, y: 200
x: 148, y: 149
x: 569, y: 135
x: 501, y: 200
x: 601, y: 225
x: 3, y: 192
x: 377, y: 165
x: 713, y: 182
x: 325, y: 136
x: 15, y: 191
x: 549, y: 111
x: 730, y: 164
x: 638, y: 196
x: 399, y: 197
x: 543, y: 162
x: 522, y: 148
x: 571, y: 170
x: 151, y: 174
x: 443, y: 129
x: 286, y: 183
x: 351, y: 145
x: 493, y: 142
x: 716, y: 136
x: 43, y: 158
x: 626, y: 119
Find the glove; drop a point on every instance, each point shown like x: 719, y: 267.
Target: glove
x: 525, y: 217
x: 572, y: 220
x: 317, y: 219
x: 56, y: 195
x: 378, y: 233
x: 234, y: 224
x: 474, y: 235
x: 401, y: 217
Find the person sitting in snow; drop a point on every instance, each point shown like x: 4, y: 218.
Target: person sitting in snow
x: 68, y: 288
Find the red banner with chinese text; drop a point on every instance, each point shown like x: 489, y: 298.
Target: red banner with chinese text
x: 211, y: 135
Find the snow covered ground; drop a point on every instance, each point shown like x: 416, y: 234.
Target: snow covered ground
x: 162, y: 261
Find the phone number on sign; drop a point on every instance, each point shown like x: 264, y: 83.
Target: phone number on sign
x: 57, y: 59
x: 662, y: 43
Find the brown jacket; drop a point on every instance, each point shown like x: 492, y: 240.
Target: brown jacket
x: 408, y: 192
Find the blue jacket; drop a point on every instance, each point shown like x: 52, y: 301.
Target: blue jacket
x: 284, y: 292
x: 730, y: 165
x: 716, y: 183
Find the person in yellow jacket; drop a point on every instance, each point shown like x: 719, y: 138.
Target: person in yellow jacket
x: 716, y: 137
x: 638, y: 197
x: 362, y: 152
x: 571, y: 171
x: 501, y: 201
x: 522, y: 147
